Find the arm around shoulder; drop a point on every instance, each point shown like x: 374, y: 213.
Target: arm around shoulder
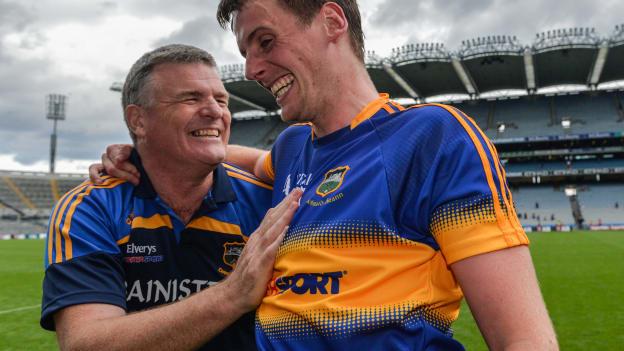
x: 249, y: 159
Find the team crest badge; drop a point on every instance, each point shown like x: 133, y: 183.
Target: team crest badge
x: 232, y: 252
x: 332, y: 181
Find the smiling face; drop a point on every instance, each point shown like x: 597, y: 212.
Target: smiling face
x: 284, y: 56
x: 187, y: 120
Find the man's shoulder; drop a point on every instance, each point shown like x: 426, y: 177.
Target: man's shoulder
x: 426, y: 125
x: 245, y: 179
x: 295, y: 134
x: 111, y: 189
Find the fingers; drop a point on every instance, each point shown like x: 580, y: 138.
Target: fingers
x: 279, y: 216
x: 95, y: 172
x: 116, y: 163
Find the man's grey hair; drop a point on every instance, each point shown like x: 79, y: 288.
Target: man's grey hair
x: 136, y: 91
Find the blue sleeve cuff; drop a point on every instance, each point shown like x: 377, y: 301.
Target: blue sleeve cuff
x: 94, y: 278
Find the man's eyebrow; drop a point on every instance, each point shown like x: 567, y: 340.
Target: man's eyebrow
x: 188, y: 93
x: 250, y: 38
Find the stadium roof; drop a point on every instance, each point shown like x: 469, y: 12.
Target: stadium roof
x: 481, y: 65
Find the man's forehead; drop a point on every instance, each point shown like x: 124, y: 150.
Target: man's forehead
x: 251, y: 15
x: 180, y: 74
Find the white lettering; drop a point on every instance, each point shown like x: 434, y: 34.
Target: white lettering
x: 149, y: 290
x: 131, y: 248
x: 184, y: 289
x: 198, y: 284
x: 135, y: 292
x: 165, y: 291
x: 160, y: 289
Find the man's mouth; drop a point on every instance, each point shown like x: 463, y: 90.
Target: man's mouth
x: 208, y: 132
x: 281, y: 86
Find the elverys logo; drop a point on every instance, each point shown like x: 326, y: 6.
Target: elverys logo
x: 332, y: 181
x: 307, y: 283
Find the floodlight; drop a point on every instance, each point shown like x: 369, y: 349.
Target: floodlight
x: 566, y: 123
x: 56, y: 111
x: 570, y: 191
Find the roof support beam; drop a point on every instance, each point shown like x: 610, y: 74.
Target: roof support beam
x: 529, y: 70
x: 463, y: 76
x: 400, y: 81
x: 601, y: 58
x: 247, y: 102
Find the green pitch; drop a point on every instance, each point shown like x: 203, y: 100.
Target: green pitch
x: 581, y: 275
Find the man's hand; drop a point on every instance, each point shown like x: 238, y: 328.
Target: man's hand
x: 255, y: 266
x: 115, y: 163
x: 191, y: 322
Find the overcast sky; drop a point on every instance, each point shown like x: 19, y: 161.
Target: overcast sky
x: 79, y: 47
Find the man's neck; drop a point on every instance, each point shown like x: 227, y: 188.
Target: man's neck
x: 181, y: 189
x: 356, y: 91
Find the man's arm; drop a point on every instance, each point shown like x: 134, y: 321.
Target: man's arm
x: 504, y: 296
x: 189, y: 323
x: 115, y: 163
x: 249, y: 159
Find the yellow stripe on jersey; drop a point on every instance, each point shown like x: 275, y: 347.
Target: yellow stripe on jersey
x: 238, y: 170
x: 72, y: 210
x: 485, y: 162
x: 81, y: 191
x: 388, y: 108
x: 153, y: 222
x: 397, y: 105
x: 502, y: 176
x: 123, y: 240
x: 249, y: 180
x: 370, y: 110
x: 214, y: 225
x: 267, y: 164
x: 55, y: 220
x: 366, y: 258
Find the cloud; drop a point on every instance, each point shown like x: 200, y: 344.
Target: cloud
x: 79, y: 48
x: 204, y: 32
x: 450, y: 22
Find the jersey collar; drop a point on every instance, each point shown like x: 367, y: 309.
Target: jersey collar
x: 370, y: 110
x: 221, y: 191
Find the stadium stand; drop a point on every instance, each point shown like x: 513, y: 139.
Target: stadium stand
x: 26, y: 199
x: 602, y: 204
x: 542, y: 205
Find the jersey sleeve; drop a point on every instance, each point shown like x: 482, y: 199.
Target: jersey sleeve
x: 288, y: 145
x: 471, y: 209
x: 82, y: 259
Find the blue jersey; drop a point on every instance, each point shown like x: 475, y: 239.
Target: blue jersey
x: 389, y: 203
x: 122, y: 245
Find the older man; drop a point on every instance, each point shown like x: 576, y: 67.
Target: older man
x: 115, y: 251
x: 404, y: 212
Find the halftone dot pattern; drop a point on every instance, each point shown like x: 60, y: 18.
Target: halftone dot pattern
x: 345, y: 322
x: 465, y: 213
x: 341, y: 234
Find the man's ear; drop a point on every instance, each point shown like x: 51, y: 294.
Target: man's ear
x: 334, y: 19
x: 135, y: 118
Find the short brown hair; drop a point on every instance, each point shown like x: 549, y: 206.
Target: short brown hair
x: 134, y: 92
x: 305, y: 10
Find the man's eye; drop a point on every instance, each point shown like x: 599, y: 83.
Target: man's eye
x: 265, y: 43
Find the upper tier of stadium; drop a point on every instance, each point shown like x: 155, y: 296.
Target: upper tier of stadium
x: 479, y: 68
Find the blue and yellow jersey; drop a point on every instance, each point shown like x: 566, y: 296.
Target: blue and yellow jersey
x: 389, y: 203
x: 122, y: 245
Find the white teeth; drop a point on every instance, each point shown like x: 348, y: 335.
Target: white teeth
x: 205, y: 132
x: 281, y: 85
